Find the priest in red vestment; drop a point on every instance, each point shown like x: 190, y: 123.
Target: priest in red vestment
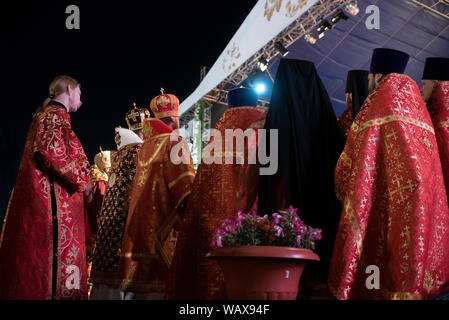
x: 435, y: 92
x: 42, y: 245
x: 393, y: 236
x: 162, y: 183
x: 104, y: 274
x: 219, y: 190
x: 356, y: 93
x: 164, y: 107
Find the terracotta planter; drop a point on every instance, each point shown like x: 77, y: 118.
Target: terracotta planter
x: 262, y: 272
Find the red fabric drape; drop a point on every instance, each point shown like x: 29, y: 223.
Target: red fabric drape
x: 395, y: 212
x: 159, y: 188
x: 219, y: 190
x: 345, y: 120
x: 26, y: 252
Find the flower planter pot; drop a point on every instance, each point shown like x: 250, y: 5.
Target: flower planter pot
x: 262, y: 272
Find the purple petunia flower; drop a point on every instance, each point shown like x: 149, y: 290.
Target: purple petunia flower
x: 298, y: 240
x: 297, y: 227
x: 276, y: 218
x: 315, y: 234
x: 294, y: 211
x: 228, y: 226
x: 278, y: 231
x: 238, y: 218
x: 251, y: 229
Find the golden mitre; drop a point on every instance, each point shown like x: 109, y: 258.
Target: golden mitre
x: 134, y: 117
x: 103, y: 159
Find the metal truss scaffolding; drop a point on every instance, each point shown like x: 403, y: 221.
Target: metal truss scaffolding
x: 304, y: 24
x: 440, y: 7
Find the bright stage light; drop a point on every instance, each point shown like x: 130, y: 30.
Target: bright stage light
x: 323, y: 28
x: 309, y: 38
x: 352, y: 8
x: 340, y: 15
x: 260, y: 88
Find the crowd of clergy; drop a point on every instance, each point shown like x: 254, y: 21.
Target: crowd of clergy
x: 137, y: 225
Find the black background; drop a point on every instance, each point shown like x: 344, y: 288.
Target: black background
x: 123, y: 53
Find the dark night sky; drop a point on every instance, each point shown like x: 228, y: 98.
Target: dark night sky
x: 124, y: 52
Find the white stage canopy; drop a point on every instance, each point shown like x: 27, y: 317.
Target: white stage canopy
x: 265, y: 21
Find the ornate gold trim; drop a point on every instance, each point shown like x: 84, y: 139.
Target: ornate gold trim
x: 134, y: 127
x: 146, y: 163
x: 50, y: 239
x: 142, y: 177
x: 385, y: 294
x: 183, y: 175
x: 246, y: 108
x: 161, y: 234
x: 68, y: 167
x: 59, y: 249
x: 137, y: 255
x: 443, y: 124
x: 334, y: 292
x: 384, y: 120
x: 164, y: 255
x: 182, y: 198
x: 401, y: 295
x: 352, y: 219
x: 428, y: 281
x: 159, y: 136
